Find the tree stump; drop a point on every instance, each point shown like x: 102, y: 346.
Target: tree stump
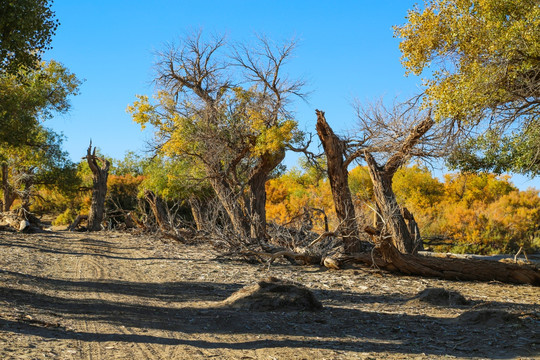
x: 100, y: 172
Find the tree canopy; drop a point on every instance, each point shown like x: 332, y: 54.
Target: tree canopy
x: 31, y: 96
x: 40, y: 163
x: 224, y: 107
x: 482, y: 61
x: 26, y: 29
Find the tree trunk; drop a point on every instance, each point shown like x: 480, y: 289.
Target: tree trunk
x: 391, y: 212
x: 338, y: 175
x: 7, y: 190
x: 257, y: 206
x: 257, y: 193
x: 159, y: 210
x: 197, y: 209
x: 229, y: 202
x: 414, y: 230
x: 381, y: 176
x: 99, y: 188
x: 28, y: 183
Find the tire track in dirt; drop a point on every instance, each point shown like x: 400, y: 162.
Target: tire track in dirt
x: 88, y: 268
x: 95, y: 270
x: 145, y: 350
x: 93, y: 350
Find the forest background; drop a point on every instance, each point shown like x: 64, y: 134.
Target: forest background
x: 477, y: 212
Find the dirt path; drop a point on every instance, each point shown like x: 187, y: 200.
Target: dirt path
x: 116, y: 296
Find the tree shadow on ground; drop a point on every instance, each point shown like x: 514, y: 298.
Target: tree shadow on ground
x: 165, y: 291
x: 350, y: 329
x: 86, y: 248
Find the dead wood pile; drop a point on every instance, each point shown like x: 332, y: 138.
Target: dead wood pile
x: 19, y: 220
x: 385, y: 256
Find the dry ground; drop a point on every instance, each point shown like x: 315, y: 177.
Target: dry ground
x: 118, y: 296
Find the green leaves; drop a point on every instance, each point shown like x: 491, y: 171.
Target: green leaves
x: 33, y: 96
x: 481, y: 65
x: 26, y: 29
x: 497, y: 152
x: 174, y: 179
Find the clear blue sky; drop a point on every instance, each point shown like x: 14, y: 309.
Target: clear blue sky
x: 346, y: 51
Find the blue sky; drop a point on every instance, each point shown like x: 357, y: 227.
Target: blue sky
x: 346, y: 51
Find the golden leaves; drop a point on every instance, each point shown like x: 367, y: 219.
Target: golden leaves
x: 477, y: 52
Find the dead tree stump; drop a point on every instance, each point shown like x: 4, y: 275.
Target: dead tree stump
x: 100, y: 172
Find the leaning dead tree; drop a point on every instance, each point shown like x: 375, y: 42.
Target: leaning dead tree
x: 100, y: 171
x: 386, y: 139
x: 389, y: 138
x: 335, y: 149
x: 381, y: 175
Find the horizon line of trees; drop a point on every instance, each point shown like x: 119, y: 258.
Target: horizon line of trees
x: 481, y: 213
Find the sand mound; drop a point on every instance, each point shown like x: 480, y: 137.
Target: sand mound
x: 273, y: 294
x: 487, y: 317
x: 440, y: 297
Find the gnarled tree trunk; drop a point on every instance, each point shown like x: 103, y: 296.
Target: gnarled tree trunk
x: 8, y: 193
x: 197, y: 210
x: 99, y: 188
x: 228, y: 199
x: 257, y: 193
x: 334, y: 148
x: 391, y: 212
x: 381, y: 176
x: 157, y: 206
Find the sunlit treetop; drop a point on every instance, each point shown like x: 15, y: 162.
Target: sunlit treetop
x: 243, y: 120
x: 478, y: 57
x: 31, y: 96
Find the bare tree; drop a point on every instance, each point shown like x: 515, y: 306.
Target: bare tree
x: 100, y: 172
x: 390, y: 137
x: 338, y: 161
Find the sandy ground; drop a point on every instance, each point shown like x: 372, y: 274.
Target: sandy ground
x: 118, y: 296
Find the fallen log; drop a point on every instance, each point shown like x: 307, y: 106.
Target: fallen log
x: 387, y: 257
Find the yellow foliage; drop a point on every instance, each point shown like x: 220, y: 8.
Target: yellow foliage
x: 481, y: 213
x: 288, y: 196
x: 246, y: 119
x: 141, y: 111
x: 482, y: 51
